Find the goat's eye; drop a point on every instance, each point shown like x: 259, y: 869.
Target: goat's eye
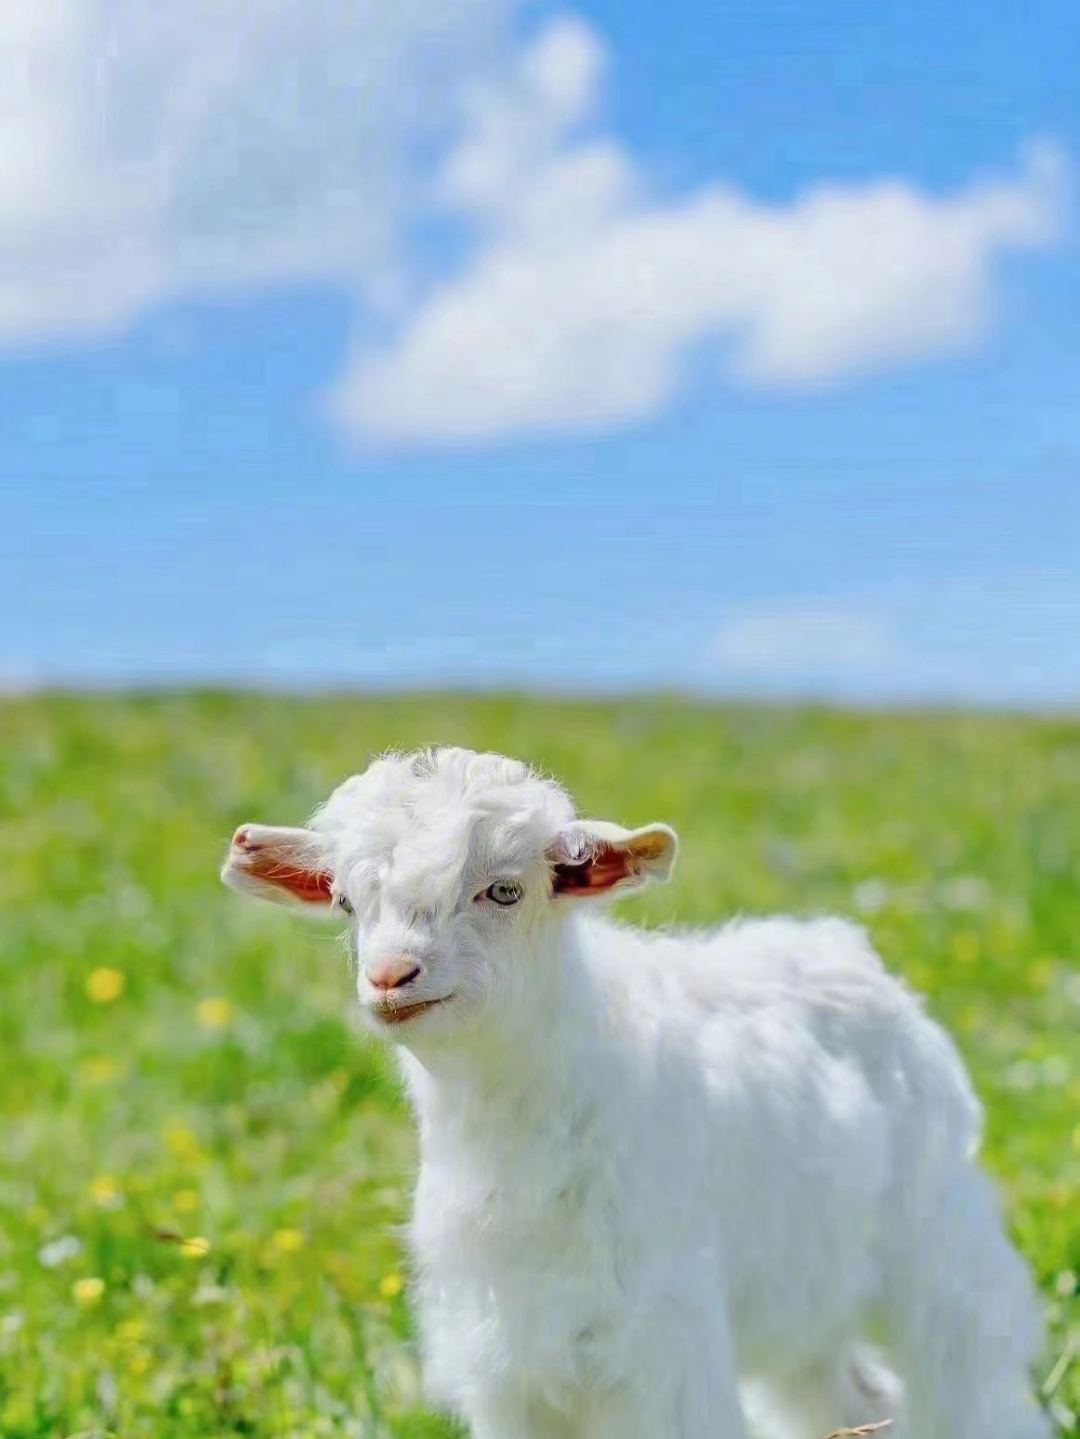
x: 345, y: 904
x: 504, y: 892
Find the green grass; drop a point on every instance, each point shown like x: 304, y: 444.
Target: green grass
x: 262, y: 1124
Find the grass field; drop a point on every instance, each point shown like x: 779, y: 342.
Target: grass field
x: 202, y: 1162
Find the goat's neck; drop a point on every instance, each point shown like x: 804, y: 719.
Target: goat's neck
x: 531, y: 1070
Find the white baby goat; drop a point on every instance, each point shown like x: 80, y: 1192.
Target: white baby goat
x: 658, y: 1171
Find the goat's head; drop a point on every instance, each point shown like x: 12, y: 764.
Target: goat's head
x: 448, y: 868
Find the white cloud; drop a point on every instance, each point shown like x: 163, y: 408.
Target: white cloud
x: 1015, y: 640
x: 155, y: 150
x: 584, y: 294
x: 802, y: 639
x: 149, y: 152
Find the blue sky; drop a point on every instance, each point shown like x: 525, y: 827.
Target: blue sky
x: 730, y: 348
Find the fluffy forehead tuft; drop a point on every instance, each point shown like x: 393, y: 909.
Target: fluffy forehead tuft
x: 430, y: 818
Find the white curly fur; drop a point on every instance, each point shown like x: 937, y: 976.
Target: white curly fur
x: 666, y: 1179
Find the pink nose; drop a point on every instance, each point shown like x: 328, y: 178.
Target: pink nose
x: 392, y: 972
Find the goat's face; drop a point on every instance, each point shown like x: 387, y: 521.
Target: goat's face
x: 448, y: 868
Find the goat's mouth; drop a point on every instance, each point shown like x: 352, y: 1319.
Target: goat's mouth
x: 402, y: 1013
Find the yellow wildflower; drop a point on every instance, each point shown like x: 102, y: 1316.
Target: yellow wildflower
x: 195, y: 1248
x: 104, y: 985
x: 183, y: 1143
x: 214, y: 1013
x: 391, y: 1286
x: 87, y: 1292
x: 288, y: 1241
x: 106, y: 1192
x: 101, y: 1069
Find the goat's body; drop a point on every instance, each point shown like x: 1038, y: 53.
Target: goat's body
x: 660, y: 1175
x: 708, y: 1160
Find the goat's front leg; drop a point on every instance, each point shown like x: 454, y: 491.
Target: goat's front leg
x: 684, y: 1386
x: 670, y: 1413
x: 506, y: 1416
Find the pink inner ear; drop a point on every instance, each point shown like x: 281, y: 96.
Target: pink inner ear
x: 605, y: 869
x: 310, y: 886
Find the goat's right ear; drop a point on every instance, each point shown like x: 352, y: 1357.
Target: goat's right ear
x: 288, y: 866
x: 593, y: 858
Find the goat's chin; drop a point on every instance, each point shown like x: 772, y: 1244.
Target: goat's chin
x: 398, y: 1020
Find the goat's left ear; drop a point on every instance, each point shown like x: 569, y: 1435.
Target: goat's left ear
x: 593, y: 858
x: 288, y: 866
